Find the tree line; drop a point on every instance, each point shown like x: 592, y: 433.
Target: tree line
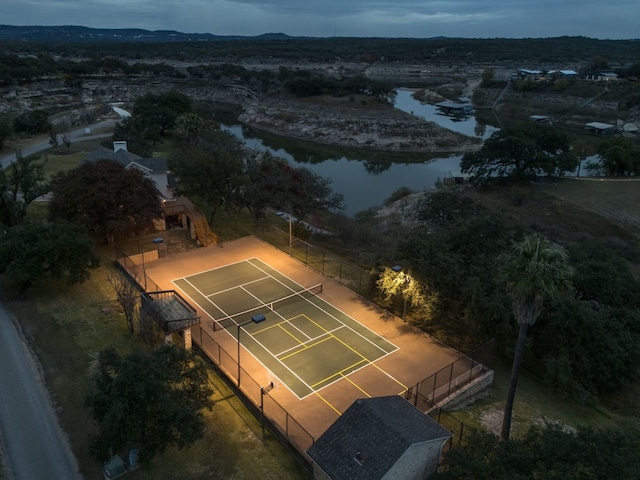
x: 440, y: 51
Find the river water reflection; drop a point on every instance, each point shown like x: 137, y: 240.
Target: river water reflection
x: 367, y: 179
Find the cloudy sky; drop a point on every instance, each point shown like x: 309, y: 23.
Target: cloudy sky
x: 613, y: 19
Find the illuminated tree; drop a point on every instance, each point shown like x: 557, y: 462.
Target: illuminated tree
x: 394, y: 282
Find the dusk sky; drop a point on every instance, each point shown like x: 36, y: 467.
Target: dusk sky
x: 616, y: 19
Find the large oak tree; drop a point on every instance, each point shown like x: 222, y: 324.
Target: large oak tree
x: 210, y: 168
x: 106, y: 198
x: 32, y: 251
x: 521, y: 152
x: 149, y: 401
x: 20, y: 184
x: 273, y: 183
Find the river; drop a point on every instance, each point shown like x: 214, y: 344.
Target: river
x: 367, y: 179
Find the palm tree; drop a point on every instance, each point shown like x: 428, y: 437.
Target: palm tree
x: 533, y: 270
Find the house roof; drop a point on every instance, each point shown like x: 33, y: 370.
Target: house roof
x: 371, y: 436
x: 563, y: 72
x: 126, y: 158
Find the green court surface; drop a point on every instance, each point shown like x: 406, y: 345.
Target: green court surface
x: 306, y: 342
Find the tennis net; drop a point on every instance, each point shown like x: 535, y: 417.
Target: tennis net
x: 274, y: 305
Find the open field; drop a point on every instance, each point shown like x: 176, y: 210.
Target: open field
x: 615, y: 199
x: 568, y: 208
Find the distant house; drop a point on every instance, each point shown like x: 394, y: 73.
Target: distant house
x: 563, y: 73
x: 379, y: 438
x: 602, y: 76
x: 526, y: 74
x: 155, y: 168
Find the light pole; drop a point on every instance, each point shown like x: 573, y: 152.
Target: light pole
x: 255, y: 319
x: 263, y: 391
x: 156, y: 241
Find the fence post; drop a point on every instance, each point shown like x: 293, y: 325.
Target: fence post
x: 473, y: 364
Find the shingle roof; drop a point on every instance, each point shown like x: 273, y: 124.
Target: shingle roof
x: 370, y: 437
x: 126, y: 158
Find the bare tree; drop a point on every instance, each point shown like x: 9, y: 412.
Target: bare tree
x: 53, y: 139
x: 128, y: 297
x: 149, y: 329
x: 66, y: 140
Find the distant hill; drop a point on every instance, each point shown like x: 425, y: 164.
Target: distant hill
x: 71, y: 33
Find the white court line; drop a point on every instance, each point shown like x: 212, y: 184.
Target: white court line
x: 339, y: 375
x: 201, y: 293
x: 241, y: 286
x: 333, y: 316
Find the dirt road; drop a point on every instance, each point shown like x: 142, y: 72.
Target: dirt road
x: 33, y: 444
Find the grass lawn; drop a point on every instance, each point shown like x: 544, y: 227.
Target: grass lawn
x: 68, y: 326
x: 534, y: 404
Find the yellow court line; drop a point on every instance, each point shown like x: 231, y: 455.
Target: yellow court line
x: 290, y: 334
x: 327, y: 402
x: 269, y: 327
x: 279, y: 324
x: 336, y: 374
x: 304, y: 348
x: 355, y: 385
x: 348, y: 346
x: 358, y: 353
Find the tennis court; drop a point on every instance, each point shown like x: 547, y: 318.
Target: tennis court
x: 306, y: 342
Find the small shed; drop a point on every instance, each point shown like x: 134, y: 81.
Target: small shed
x: 114, y: 468
x: 379, y: 438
